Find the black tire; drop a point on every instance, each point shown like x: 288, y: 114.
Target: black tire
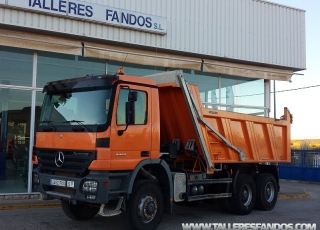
x: 80, y: 211
x: 146, y: 195
x: 243, y: 201
x: 267, y: 191
x: 224, y: 204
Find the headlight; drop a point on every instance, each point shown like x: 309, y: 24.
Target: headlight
x: 91, y: 197
x: 90, y: 187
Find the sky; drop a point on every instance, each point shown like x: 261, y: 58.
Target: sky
x: 303, y: 104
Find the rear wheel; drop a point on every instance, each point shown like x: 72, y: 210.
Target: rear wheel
x: 145, y: 207
x: 267, y: 191
x: 243, y: 201
x: 80, y: 211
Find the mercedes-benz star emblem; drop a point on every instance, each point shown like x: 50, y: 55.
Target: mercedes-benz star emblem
x: 59, y: 159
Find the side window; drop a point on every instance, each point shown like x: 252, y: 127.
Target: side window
x: 140, y: 108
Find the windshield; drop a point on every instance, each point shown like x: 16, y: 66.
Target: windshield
x: 76, y: 108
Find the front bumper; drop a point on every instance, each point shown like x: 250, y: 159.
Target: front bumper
x: 70, y: 188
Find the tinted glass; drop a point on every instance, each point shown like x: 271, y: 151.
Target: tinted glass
x: 54, y: 66
x: 15, y: 66
x: 88, y: 108
x: 140, y: 108
x: 15, y: 115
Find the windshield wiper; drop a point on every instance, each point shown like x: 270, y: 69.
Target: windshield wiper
x: 79, y: 123
x: 50, y: 124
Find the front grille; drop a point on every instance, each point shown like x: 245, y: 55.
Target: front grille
x: 74, y: 161
x: 59, y: 194
x: 66, y: 191
x: 66, y: 174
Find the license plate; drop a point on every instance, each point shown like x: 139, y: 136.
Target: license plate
x: 61, y: 183
x: 70, y: 184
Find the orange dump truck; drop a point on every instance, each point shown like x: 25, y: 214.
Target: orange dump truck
x: 121, y: 144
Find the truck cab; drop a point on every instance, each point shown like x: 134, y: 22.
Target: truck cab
x: 87, y: 119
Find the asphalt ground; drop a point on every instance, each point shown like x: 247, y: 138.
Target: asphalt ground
x: 288, y: 190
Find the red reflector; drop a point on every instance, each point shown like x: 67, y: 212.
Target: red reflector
x: 105, y: 184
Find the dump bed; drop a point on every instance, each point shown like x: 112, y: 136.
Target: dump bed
x: 219, y: 136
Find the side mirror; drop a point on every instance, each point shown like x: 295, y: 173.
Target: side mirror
x: 130, y: 111
x: 132, y: 96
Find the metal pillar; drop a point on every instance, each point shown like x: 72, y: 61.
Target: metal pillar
x: 4, y: 131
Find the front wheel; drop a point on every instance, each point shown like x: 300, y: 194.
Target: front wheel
x: 145, y: 207
x: 267, y: 191
x: 80, y: 211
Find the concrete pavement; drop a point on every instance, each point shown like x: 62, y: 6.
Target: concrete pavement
x: 290, y: 189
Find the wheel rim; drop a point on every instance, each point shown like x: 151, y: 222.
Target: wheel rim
x: 147, y: 208
x: 246, y: 195
x: 269, y: 190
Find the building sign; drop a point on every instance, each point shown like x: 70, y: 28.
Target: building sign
x: 93, y: 12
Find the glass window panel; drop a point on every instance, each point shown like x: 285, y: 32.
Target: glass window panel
x: 242, y: 91
x: 54, y: 66
x: 89, y: 107
x: 140, y: 111
x: 207, y: 83
x: 15, y: 66
x: 250, y: 93
x: 251, y: 111
x: 39, y: 101
x: 15, y: 115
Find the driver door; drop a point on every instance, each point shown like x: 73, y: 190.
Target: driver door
x: 134, y: 144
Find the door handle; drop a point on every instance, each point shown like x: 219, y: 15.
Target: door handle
x: 145, y: 153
